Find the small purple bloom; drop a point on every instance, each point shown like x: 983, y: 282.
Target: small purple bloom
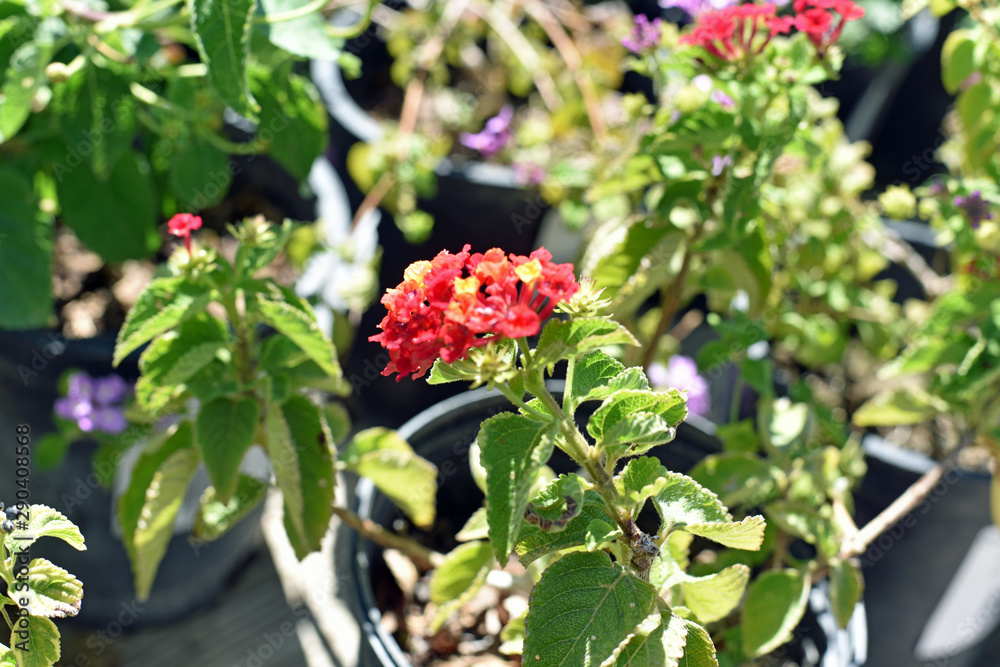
x: 682, y: 373
x: 723, y: 100
x: 110, y: 389
x: 938, y: 188
x: 64, y: 407
x: 719, y: 163
x: 528, y: 174
x: 80, y: 386
x: 86, y: 424
x: 645, y: 34
x: 109, y: 420
x: 494, y: 136
x: 977, y: 208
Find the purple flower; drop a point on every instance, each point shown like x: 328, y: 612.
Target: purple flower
x: 977, y: 208
x: 494, y: 136
x: 696, y: 7
x: 109, y: 420
x: 723, y: 100
x: 645, y: 34
x: 682, y: 373
x: 528, y: 174
x: 92, y: 403
x: 110, y: 389
x: 719, y: 163
x: 938, y: 188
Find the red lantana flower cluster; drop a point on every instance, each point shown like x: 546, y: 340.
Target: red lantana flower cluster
x: 735, y: 32
x: 182, y: 225
x: 731, y: 33
x: 814, y: 18
x: 455, y: 302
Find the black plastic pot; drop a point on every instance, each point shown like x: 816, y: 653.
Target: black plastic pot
x: 443, y: 435
x: 932, y: 583
x: 190, y: 575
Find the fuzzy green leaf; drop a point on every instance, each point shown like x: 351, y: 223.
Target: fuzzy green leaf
x: 639, y: 480
x: 514, y: 449
x: 301, y: 327
x: 52, y: 591
x: 557, y: 504
x: 775, y: 603
x: 155, y: 527
x: 25, y: 255
x: 225, y: 430
x: 535, y: 543
x: 459, y: 578
x: 561, y: 339
x: 747, y: 534
x: 409, y: 480
x: 43, y: 521
x: 669, y: 406
x: 303, y: 464
x: 583, y: 610
x: 165, y: 303
x: 37, y: 645
x: 847, y: 587
x: 222, y: 34
x: 215, y: 517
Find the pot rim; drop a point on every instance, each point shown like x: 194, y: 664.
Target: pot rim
x: 845, y: 647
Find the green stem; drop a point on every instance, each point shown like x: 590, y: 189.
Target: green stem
x: 736, y: 401
x: 234, y: 148
x: 241, y: 353
x: 292, y: 14
x: 519, y: 402
x: 347, y: 32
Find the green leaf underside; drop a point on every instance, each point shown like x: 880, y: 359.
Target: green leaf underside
x: 847, y: 587
x: 225, y: 429
x: 514, y: 448
x: 409, y: 480
x: 165, y: 303
x: 459, y: 578
x: 38, y: 646
x: 222, y: 34
x: 306, y: 460
x: 215, y: 517
x: 44, y: 522
x: 713, y: 597
x: 775, y: 603
x: 535, y: 543
x: 582, y: 610
x: 52, y: 591
x: 155, y: 527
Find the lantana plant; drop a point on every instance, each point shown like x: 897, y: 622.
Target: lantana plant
x: 608, y: 592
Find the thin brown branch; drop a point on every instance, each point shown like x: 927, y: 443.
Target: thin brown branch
x: 571, y: 56
x: 422, y: 557
x: 903, y: 505
x: 898, y: 250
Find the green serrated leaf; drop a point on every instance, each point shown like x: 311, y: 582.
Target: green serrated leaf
x: 640, y: 480
x: 583, y: 609
x: 746, y: 534
x: 303, y: 465
x: 713, y: 597
x: 306, y: 36
x: 669, y: 406
x: 592, y: 373
x: 476, y: 528
x: 165, y: 303
x: 561, y: 339
x: 215, y: 517
x: 775, y: 603
x: 699, y: 651
x: 533, y: 543
x: 43, y: 522
x: 682, y: 501
x: 459, y: 578
x: 25, y: 255
x: 513, y: 449
x: 557, y: 504
x: 52, y: 591
x: 600, y: 534
x: 739, y: 478
x: 301, y: 327
x: 847, y: 587
x: 409, y: 480
x: 225, y: 429
x: 635, y: 433
x: 155, y: 526
x: 222, y: 34
x: 174, y: 357
x: 37, y: 645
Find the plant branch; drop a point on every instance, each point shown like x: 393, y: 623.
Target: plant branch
x: 898, y: 250
x: 422, y: 557
x: 571, y: 56
x: 906, y: 503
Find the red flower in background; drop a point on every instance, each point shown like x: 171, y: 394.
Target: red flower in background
x: 182, y: 225
x: 741, y: 30
x: 455, y: 302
